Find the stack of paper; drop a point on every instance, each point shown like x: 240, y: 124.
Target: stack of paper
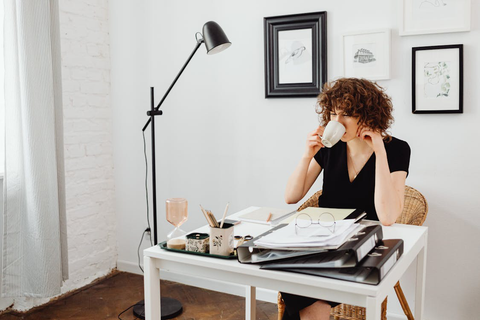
x: 314, y: 236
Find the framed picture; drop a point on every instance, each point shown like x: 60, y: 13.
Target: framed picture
x: 437, y: 79
x: 367, y: 54
x: 434, y: 16
x: 295, y: 55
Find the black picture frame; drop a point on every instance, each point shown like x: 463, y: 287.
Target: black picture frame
x: 284, y: 80
x: 437, y: 79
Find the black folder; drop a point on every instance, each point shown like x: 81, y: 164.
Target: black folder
x: 346, y: 256
x: 248, y: 252
x: 371, y: 270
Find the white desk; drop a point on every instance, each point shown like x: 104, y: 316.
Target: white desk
x: 371, y: 297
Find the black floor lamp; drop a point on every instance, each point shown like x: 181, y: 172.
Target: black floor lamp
x: 215, y: 41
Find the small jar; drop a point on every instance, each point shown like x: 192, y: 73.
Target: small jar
x: 197, y: 242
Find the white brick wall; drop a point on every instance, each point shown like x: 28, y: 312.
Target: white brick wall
x: 88, y: 140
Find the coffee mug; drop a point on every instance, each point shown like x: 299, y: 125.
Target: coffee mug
x: 332, y: 134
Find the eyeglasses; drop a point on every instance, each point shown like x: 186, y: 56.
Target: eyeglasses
x: 326, y: 220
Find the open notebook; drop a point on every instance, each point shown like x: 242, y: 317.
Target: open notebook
x: 266, y: 215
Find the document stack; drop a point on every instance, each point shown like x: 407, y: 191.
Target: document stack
x: 354, y: 252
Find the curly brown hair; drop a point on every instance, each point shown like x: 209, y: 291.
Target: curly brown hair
x: 359, y: 98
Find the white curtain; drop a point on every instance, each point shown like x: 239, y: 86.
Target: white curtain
x: 34, y: 243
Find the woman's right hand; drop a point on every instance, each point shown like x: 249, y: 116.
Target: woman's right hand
x: 314, y: 143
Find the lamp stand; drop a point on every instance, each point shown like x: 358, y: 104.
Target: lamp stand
x: 170, y: 308
x: 215, y: 41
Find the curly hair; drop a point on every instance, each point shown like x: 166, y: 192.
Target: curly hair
x: 359, y: 98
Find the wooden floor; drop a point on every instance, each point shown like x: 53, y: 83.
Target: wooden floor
x: 109, y: 297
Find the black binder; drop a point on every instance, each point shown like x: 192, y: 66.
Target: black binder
x: 248, y: 252
x: 346, y: 256
x: 370, y: 270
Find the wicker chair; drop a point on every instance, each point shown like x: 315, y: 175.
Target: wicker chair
x: 414, y: 212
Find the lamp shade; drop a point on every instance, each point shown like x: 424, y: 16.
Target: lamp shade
x: 215, y: 39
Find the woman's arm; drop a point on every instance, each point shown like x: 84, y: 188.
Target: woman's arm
x: 306, y: 171
x: 302, y: 179
x: 389, y: 190
x: 389, y: 196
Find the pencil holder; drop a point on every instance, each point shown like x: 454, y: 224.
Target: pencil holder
x: 197, y: 242
x: 221, y: 240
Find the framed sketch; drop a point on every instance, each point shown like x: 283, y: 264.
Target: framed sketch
x: 437, y: 79
x: 434, y: 16
x: 367, y: 54
x: 295, y: 55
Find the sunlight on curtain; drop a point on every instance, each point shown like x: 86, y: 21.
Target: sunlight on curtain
x: 2, y: 97
x: 34, y: 246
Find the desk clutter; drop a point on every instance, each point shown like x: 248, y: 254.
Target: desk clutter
x: 333, y: 243
x: 358, y: 253
x: 219, y: 242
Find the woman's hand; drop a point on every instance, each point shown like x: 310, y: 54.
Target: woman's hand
x: 373, y: 138
x: 314, y: 143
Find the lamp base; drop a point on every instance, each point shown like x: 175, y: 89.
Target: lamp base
x: 170, y: 308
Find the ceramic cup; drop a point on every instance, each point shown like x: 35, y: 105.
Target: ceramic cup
x: 332, y: 134
x: 221, y: 240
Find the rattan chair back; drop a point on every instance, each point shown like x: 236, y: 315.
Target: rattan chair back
x: 414, y: 212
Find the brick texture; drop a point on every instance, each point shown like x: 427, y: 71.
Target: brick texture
x: 88, y: 140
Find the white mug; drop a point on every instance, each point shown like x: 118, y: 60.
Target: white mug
x: 332, y: 134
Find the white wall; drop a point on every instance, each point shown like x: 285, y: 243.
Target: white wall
x: 220, y: 140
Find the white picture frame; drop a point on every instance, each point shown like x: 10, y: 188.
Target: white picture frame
x: 366, y: 54
x: 434, y: 16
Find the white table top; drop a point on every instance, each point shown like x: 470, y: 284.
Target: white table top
x: 414, y: 240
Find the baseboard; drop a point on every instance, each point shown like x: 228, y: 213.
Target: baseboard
x: 210, y: 284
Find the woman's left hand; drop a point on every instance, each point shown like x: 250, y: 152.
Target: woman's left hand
x: 373, y: 138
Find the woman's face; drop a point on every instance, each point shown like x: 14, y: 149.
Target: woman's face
x: 349, y: 122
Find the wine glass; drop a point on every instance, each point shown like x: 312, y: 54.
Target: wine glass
x: 177, y: 214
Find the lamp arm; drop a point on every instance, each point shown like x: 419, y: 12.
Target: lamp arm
x: 199, y: 42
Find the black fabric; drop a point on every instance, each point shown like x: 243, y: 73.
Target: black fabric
x: 339, y: 192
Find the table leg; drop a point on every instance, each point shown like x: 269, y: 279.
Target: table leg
x: 420, y: 285
x: 152, y: 289
x: 250, y: 303
x: 373, y: 309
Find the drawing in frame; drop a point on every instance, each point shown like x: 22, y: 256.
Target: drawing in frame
x: 295, y: 55
x: 367, y: 54
x: 434, y: 16
x: 437, y: 79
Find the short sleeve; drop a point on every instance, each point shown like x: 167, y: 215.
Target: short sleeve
x: 398, y: 154
x: 319, y: 157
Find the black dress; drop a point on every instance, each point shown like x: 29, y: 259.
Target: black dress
x: 339, y: 192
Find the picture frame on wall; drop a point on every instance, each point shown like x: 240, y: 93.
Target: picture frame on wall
x: 437, y: 79
x: 434, y: 16
x: 367, y: 54
x: 295, y: 55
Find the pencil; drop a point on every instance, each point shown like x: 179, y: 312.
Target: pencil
x: 214, y: 220
x: 269, y: 217
x: 224, y: 215
x: 210, y: 223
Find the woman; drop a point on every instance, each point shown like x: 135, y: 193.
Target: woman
x: 366, y: 169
